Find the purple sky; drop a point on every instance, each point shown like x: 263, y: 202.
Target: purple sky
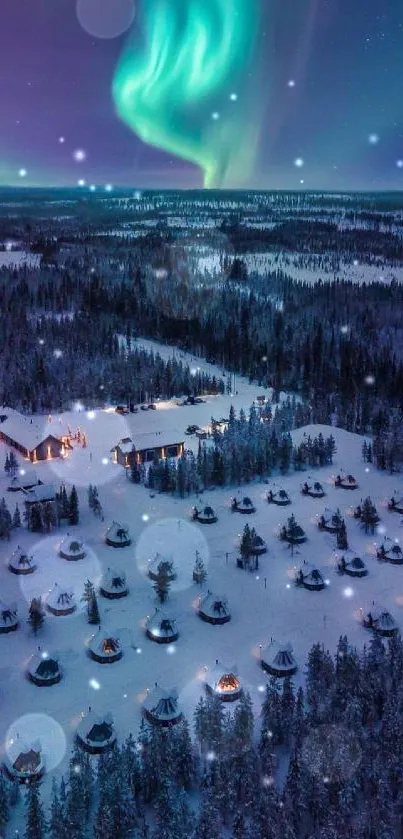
x: 342, y: 117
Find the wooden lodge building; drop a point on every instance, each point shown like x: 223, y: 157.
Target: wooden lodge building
x: 143, y: 447
x: 28, y: 436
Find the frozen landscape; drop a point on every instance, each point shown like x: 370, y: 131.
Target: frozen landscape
x: 265, y: 605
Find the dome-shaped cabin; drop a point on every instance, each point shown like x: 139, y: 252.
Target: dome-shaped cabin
x: 346, y: 482
x: 352, y: 565
x: 113, y: 585
x: 204, y: 516
x: 279, y: 497
x: 223, y: 682
x: 330, y: 520
x: 105, y: 647
x: 213, y: 608
x: 118, y: 536
x: 390, y: 551
x: 161, y: 628
x: 44, y: 670
x: 25, y: 762
x: 21, y: 563
x: 161, y: 707
x: 313, y: 489
x: 160, y: 565
x: 61, y: 601
x: 310, y: 578
x: 72, y: 549
x: 96, y: 734
x: 244, y: 506
x: 292, y: 532
x: 381, y: 622
x: 278, y: 660
x: 8, y: 618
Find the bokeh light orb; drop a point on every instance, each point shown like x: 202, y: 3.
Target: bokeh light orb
x: 176, y: 540
x: 31, y: 728
x: 105, y: 18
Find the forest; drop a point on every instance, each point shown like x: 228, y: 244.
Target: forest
x: 325, y: 763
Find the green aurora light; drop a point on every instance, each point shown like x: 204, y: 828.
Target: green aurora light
x: 193, y: 56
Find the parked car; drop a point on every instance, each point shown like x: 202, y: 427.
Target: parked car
x: 121, y: 409
x: 152, y: 407
x: 198, y: 400
x: 144, y: 407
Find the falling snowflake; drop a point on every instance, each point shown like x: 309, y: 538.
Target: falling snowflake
x: 373, y: 139
x: 291, y: 83
x: 233, y: 97
x: 22, y: 173
x: 298, y: 162
x: 79, y: 155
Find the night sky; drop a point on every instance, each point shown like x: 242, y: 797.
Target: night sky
x: 267, y: 94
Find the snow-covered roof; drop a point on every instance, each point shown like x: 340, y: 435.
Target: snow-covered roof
x: 114, y: 580
x: 162, y: 704
x: 118, y: 532
x: 43, y: 666
x: 42, y: 492
x: 142, y: 441
x: 279, y: 656
x: 25, y: 758
x: 20, y: 560
x: 20, y: 428
x: 61, y: 598
x: 223, y: 679
x: 385, y: 622
x: 125, y: 445
x: 24, y: 478
x: 161, y: 625
x: 72, y: 547
x: 214, y: 605
x: 165, y: 561
x: 8, y: 615
x: 97, y: 730
x: 105, y: 644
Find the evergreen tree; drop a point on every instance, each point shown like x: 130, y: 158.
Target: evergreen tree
x: 13, y: 464
x: 73, y: 506
x: 16, y: 517
x: 36, y: 614
x: 4, y: 805
x: 58, y: 828
x: 35, y: 823
x: 7, y: 465
x: 93, y: 610
x: 5, y: 521
x: 162, y: 583
x: 341, y: 535
x: 199, y: 570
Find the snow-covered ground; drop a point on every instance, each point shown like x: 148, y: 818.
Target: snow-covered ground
x: 264, y: 604
x: 19, y: 259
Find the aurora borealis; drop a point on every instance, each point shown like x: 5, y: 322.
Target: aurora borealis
x: 177, y: 90
x: 189, y: 93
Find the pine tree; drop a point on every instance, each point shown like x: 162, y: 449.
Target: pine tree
x: 162, y: 583
x: 7, y: 465
x: 246, y: 543
x: 199, y: 570
x: 341, y: 535
x: 58, y: 828
x: 93, y: 610
x: 5, y: 521
x: 13, y: 464
x: 36, y: 614
x: 73, y: 506
x: 16, y: 517
x: 35, y: 823
x: 4, y: 805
